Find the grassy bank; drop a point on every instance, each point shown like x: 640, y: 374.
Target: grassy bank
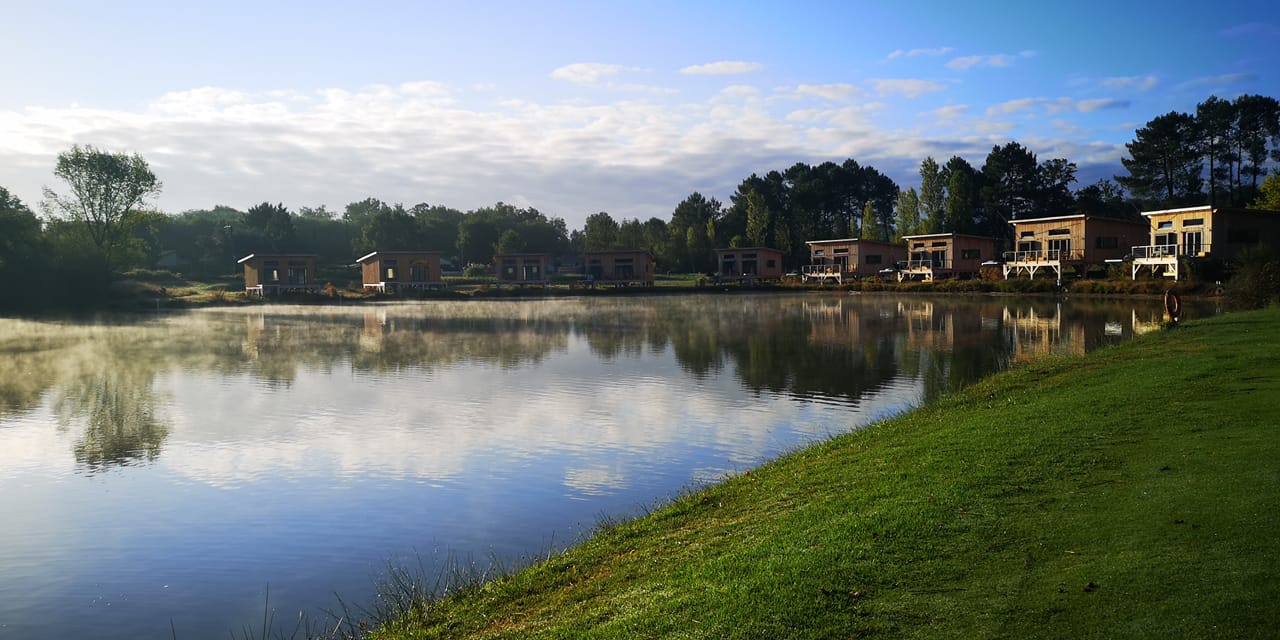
x: 1134, y: 492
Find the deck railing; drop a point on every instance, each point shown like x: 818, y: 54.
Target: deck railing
x: 1042, y: 255
x: 913, y: 265
x: 1169, y: 251
x: 823, y: 269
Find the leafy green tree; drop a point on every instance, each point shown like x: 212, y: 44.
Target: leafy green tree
x: 23, y: 250
x: 358, y: 213
x: 273, y: 222
x: 687, y: 231
x: 512, y: 242
x: 907, y: 212
x: 1056, y: 175
x: 390, y: 229
x: 1105, y: 198
x: 105, y: 187
x: 757, y: 219
x: 1269, y: 196
x: 869, y: 230
x: 1010, y: 189
x: 600, y: 233
x: 1164, y: 163
x: 964, y: 194
x: 933, y: 196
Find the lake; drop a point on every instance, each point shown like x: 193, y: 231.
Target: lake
x: 166, y: 473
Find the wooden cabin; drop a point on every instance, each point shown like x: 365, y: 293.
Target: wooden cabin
x: 620, y: 268
x: 1199, y: 233
x: 1077, y: 241
x: 273, y: 273
x: 392, y: 270
x: 849, y: 259
x: 522, y: 269
x: 749, y: 263
x: 946, y: 255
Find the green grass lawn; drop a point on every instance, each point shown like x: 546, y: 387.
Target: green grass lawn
x: 1133, y: 492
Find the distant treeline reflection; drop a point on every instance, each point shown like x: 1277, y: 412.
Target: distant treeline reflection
x: 100, y: 378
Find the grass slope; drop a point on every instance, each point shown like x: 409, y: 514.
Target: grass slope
x: 1133, y: 492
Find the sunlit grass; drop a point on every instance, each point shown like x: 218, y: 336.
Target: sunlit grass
x: 1127, y: 493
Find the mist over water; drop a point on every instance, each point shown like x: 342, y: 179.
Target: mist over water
x: 171, y: 467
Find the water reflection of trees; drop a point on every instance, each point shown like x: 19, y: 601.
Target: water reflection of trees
x: 835, y: 346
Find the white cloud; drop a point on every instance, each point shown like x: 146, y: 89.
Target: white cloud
x: 935, y: 51
x: 1088, y: 106
x: 724, y: 67
x: 1140, y: 83
x: 834, y: 92
x: 949, y: 112
x: 908, y: 87
x: 997, y: 60
x: 1055, y: 105
x: 588, y: 72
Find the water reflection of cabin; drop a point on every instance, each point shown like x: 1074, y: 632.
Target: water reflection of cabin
x: 1036, y: 332
x: 522, y: 269
x: 1203, y: 232
x: 946, y: 255
x: 391, y: 270
x: 758, y: 263
x: 273, y: 273
x: 1077, y: 241
x: 620, y: 268
x: 849, y: 258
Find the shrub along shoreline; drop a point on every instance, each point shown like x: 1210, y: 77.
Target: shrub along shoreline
x: 1130, y: 492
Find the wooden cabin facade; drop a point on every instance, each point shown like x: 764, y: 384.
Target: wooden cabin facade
x: 274, y: 273
x: 624, y: 268
x: 1077, y: 241
x: 749, y: 263
x: 392, y: 270
x: 849, y: 259
x: 946, y: 255
x: 1203, y: 232
x: 522, y: 269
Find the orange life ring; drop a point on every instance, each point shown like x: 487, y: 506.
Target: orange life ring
x: 1172, y: 305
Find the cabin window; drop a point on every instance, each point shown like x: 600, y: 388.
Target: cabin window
x: 508, y: 268
x: 1166, y: 240
x: 818, y: 252
x: 1193, y: 222
x: 1106, y: 242
x: 532, y: 271
x: 1027, y: 234
x: 389, y: 269
x: 419, y: 273
x: 1059, y: 232
x: 941, y: 243
x: 771, y: 263
x: 918, y: 245
x: 748, y: 256
x: 297, y: 272
x: 270, y: 271
x: 1062, y: 246
x: 970, y: 254
x: 1167, y: 224
x: 874, y: 258
x: 840, y: 251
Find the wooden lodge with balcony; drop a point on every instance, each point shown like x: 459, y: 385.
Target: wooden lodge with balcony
x: 1078, y: 242
x: 275, y: 273
x: 849, y: 259
x: 946, y: 255
x: 624, y: 268
x: 522, y: 269
x: 1200, y: 233
x: 388, y: 271
x: 749, y: 264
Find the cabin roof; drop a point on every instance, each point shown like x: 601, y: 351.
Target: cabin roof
x: 371, y: 255
x: 1073, y: 216
x: 848, y: 240
x: 1210, y: 208
x: 275, y: 255
x: 925, y: 236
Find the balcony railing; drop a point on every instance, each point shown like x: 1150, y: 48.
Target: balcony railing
x: 1042, y: 255
x: 1170, y: 251
x: 913, y: 265
x: 823, y: 269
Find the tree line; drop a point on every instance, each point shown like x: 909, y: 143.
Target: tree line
x: 102, y: 226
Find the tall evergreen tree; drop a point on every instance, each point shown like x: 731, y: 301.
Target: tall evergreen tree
x: 1215, y: 125
x: 1164, y: 162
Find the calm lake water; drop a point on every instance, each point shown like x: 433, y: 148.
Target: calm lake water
x: 163, y: 473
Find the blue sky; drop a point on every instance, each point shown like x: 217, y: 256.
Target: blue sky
x: 575, y: 108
